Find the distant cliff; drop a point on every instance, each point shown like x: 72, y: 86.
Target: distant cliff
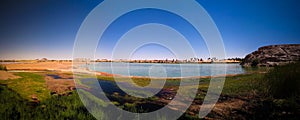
x: 273, y: 55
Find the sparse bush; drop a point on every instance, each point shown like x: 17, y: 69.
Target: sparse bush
x: 254, y: 63
x: 2, y: 67
x: 283, y: 81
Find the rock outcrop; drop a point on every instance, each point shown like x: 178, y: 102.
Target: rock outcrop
x: 273, y: 55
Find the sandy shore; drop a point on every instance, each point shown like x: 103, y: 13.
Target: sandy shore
x: 41, y: 66
x: 6, y: 75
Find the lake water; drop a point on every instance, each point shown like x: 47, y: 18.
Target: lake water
x: 167, y: 70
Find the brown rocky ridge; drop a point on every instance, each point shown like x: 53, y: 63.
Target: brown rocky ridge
x: 273, y: 55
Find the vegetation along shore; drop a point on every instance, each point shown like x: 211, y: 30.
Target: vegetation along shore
x: 46, y: 90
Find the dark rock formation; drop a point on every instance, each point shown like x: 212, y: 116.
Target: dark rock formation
x: 273, y: 55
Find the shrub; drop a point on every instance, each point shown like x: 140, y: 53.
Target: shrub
x: 2, y: 67
x: 254, y: 63
x: 283, y: 81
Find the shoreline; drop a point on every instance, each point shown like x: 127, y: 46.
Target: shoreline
x: 157, y: 78
x: 66, y: 67
x: 109, y: 75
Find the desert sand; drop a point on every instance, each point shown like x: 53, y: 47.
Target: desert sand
x: 58, y: 66
x: 6, y: 75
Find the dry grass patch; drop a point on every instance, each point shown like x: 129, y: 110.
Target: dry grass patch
x: 4, y: 75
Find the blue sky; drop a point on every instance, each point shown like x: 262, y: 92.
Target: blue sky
x: 47, y: 28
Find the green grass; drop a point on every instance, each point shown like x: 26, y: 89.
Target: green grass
x: 141, y: 81
x: 105, y: 77
x: 27, y: 85
x: 242, y: 84
x: 283, y: 81
x: 236, y: 85
x: 63, y: 107
x: 13, y: 106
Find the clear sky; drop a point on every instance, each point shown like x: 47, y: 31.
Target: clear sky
x: 47, y: 28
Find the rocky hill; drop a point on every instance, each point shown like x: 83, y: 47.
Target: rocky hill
x: 273, y: 55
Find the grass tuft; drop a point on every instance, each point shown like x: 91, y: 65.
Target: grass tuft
x: 283, y: 81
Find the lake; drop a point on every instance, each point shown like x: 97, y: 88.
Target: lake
x: 166, y: 70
